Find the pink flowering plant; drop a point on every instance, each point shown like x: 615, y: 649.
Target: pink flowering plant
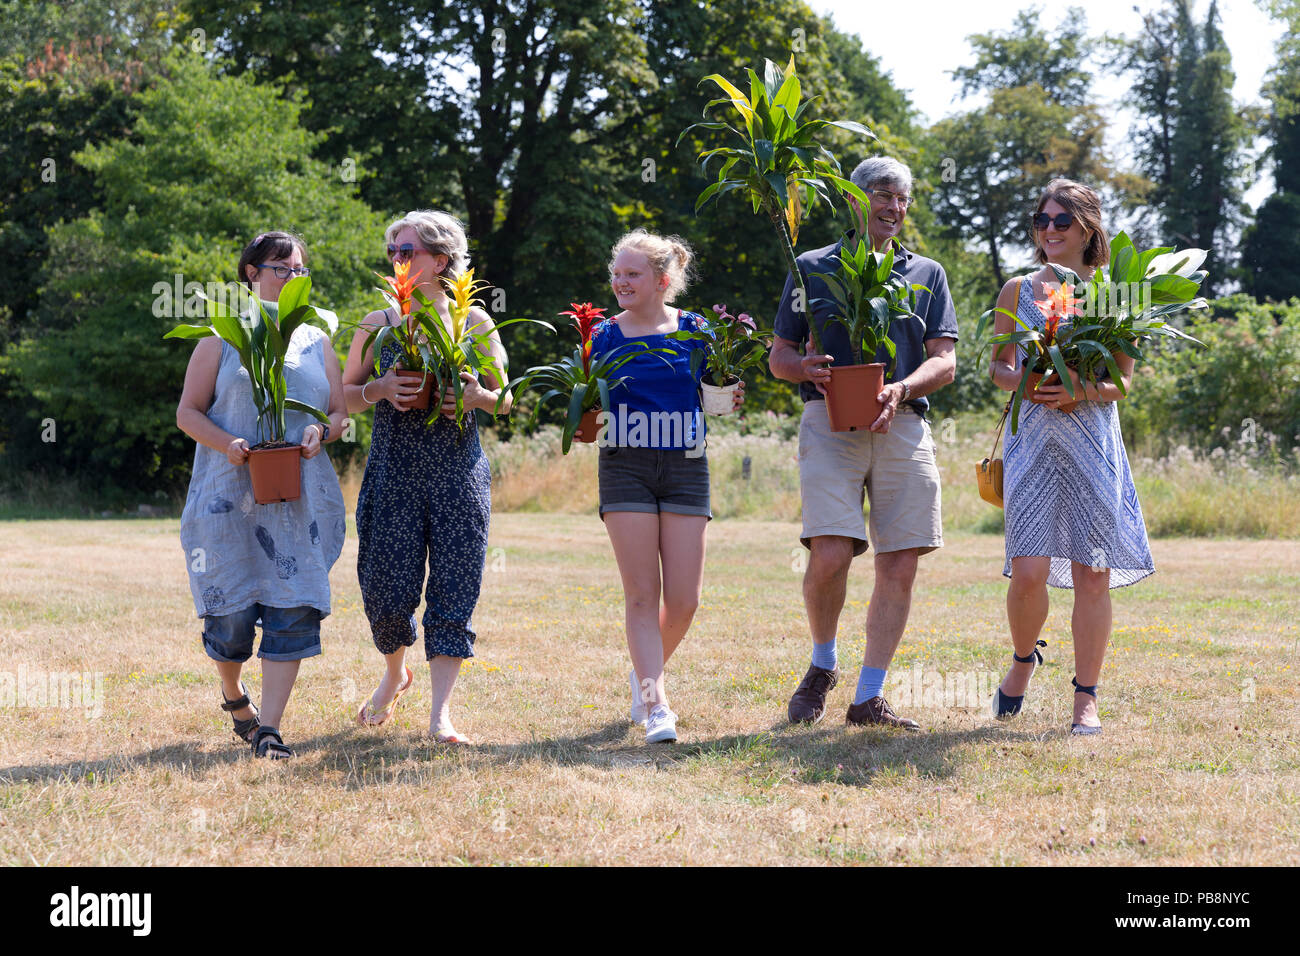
x: 733, y: 345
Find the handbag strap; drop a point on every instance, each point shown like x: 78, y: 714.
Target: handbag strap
x: 997, y: 437
x: 1006, y: 409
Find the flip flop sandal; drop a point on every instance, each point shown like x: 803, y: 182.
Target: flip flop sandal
x: 245, y: 728
x: 366, y: 716
x: 264, y: 746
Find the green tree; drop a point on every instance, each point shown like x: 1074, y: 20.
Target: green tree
x: 991, y: 163
x: 67, y: 71
x: 1190, y: 136
x: 1026, y: 56
x: 1271, y: 245
x: 210, y: 162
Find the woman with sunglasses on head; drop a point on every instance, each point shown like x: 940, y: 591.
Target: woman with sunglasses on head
x: 251, y: 563
x: 654, y: 492
x: 426, y: 494
x: 1072, y: 513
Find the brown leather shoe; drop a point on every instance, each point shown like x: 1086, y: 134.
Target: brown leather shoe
x: 877, y: 711
x: 809, y: 701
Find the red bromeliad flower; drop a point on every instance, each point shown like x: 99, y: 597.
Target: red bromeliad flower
x: 403, y: 285
x: 1059, y: 304
x: 585, y: 318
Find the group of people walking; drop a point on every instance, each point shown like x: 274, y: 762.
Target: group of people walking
x: 423, y: 512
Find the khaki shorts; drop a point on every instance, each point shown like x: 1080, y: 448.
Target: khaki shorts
x: 895, y: 472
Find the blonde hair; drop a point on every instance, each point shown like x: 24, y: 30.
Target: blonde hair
x: 668, y: 255
x: 439, y: 233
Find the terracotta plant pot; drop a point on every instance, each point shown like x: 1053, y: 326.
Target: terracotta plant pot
x: 1035, y: 378
x: 718, y: 399
x: 276, y: 473
x: 851, y: 396
x: 425, y: 394
x: 588, y: 425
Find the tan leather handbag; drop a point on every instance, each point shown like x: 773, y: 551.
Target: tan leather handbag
x: 988, y: 473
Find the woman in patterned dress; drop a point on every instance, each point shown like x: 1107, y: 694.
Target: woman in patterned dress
x: 1072, y: 513
x: 255, y: 564
x: 426, y: 494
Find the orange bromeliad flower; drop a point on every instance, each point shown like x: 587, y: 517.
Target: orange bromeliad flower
x: 585, y: 319
x: 1059, y: 304
x: 403, y: 285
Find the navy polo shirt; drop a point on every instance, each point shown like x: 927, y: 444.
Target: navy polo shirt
x: 934, y: 307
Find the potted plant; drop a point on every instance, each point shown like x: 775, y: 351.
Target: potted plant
x: 733, y: 346
x: 583, y: 381
x: 430, y: 349
x: 777, y: 162
x: 868, y: 298
x: 1124, y: 306
x: 261, y: 337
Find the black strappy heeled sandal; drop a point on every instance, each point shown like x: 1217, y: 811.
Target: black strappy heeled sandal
x: 1005, y: 706
x: 245, y: 728
x: 1084, y: 730
x: 264, y: 746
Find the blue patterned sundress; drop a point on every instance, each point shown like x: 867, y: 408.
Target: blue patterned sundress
x: 239, y: 553
x: 1068, y: 490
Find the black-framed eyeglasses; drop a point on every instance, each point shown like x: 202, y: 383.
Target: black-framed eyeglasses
x: 886, y: 197
x: 404, y: 252
x: 1063, y: 220
x: 284, y: 272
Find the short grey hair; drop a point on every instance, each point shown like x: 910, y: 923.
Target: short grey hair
x: 438, y: 232
x: 882, y: 171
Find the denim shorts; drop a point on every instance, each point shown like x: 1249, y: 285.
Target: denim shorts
x: 652, y: 480
x: 288, y: 634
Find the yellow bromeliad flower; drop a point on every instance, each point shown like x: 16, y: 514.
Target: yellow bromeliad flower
x: 463, y: 292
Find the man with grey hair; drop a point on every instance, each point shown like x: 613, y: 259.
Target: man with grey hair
x: 891, y: 465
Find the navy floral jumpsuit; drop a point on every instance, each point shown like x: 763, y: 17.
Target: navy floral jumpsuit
x: 426, y: 491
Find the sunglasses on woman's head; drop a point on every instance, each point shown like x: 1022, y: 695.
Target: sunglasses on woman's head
x: 403, y: 252
x: 1063, y: 220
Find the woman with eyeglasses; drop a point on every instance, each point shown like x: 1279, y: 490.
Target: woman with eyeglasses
x: 1072, y: 513
x: 426, y: 494
x: 250, y: 563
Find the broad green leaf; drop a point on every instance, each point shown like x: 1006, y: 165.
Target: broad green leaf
x: 294, y: 405
x: 190, y: 332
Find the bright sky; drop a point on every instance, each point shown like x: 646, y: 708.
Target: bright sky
x: 926, y: 38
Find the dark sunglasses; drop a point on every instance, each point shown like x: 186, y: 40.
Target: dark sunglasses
x: 1063, y: 220
x: 404, y: 252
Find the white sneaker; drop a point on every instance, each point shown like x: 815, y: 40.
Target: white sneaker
x: 661, y: 726
x: 638, y: 711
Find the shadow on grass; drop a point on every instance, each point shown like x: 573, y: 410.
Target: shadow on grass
x: 353, y: 759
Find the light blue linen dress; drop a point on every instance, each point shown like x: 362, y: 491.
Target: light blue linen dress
x: 1068, y: 490
x: 239, y: 553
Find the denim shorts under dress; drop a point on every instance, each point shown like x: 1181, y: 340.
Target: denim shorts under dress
x: 288, y: 634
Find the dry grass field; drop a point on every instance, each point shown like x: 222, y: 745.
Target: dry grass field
x: 1199, y: 763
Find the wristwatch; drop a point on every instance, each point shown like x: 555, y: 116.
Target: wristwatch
x: 325, y: 432
x: 907, y: 391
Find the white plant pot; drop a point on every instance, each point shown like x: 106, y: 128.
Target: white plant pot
x: 717, y: 400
